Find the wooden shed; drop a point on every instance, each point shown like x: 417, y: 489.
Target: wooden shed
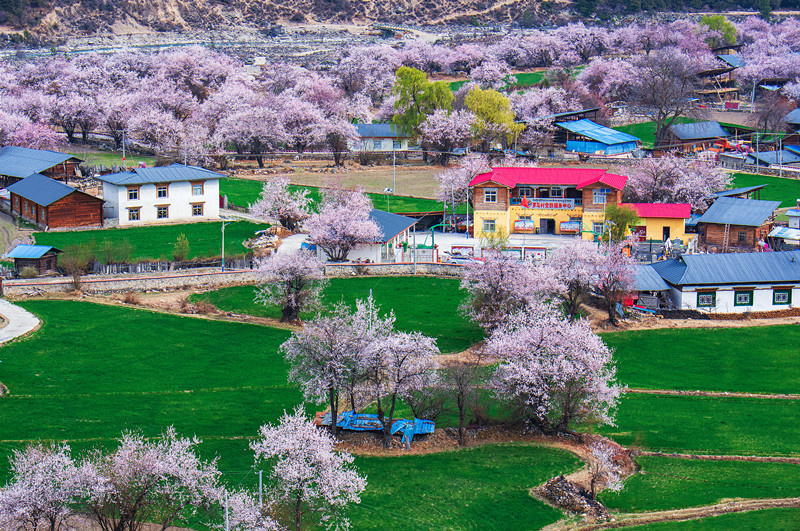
x: 43, y: 258
x: 18, y: 163
x: 52, y: 204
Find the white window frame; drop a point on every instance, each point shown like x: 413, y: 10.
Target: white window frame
x: 600, y: 196
x: 487, y: 223
x: 747, y: 299
x: 557, y: 191
x: 137, y: 211
x: 524, y: 189
x: 490, y: 195
x: 195, y: 186
x: 158, y: 211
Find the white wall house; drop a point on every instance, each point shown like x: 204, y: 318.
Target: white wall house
x: 383, y: 138
x: 733, y: 282
x: 394, y: 233
x: 794, y: 216
x: 168, y: 194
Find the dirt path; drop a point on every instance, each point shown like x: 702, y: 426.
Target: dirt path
x: 714, y: 394
x: 748, y: 458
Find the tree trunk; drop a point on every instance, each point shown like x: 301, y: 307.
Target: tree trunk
x: 610, y: 306
x: 260, y: 161
x: 462, y: 406
x: 297, y: 511
x: 334, y: 411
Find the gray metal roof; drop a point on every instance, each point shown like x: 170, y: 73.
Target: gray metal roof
x: 161, y: 174
x: 698, y: 130
x: 384, y: 130
x: 793, y: 117
x: 782, y: 156
x: 29, y: 251
x: 21, y: 162
x: 390, y: 224
x: 737, y: 211
x: 739, y: 191
x: 733, y: 59
x: 598, y: 132
x: 647, y: 279
x: 731, y: 268
x: 40, y: 189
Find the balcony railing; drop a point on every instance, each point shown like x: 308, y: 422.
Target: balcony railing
x: 534, y: 201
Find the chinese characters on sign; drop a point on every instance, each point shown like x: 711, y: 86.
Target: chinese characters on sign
x: 558, y: 204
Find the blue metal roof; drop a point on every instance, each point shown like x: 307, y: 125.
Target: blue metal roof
x: 783, y: 156
x: 21, y: 162
x: 731, y: 268
x: 29, y: 251
x: 647, y: 279
x: 384, y: 130
x: 793, y: 117
x: 390, y: 224
x: 733, y: 59
x: 40, y: 189
x: 793, y: 149
x: 785, y: 233
x: 737, y: 211
x: 793, y: 212
x: 739, y: 191
x: 161, y: 174
x: 597, y: 132
x: 698, y: 131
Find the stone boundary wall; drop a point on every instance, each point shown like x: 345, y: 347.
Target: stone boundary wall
x: 205, y: 279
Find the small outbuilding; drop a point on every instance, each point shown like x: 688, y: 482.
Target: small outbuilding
x: 394, y: 230
x: 734, y: 222
x: 651, y: 290
x: 660, y: 221
x: 746, y: 192
x: 780, y: 157
x: 793, y: 119
x: 18, y: 163
x: 383, y: 137
x: 693, y: 137
x: 585, y: 136
x: 52, y: 204
x: 43, y: 258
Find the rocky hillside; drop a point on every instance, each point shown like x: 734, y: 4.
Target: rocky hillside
x: 51, y: 17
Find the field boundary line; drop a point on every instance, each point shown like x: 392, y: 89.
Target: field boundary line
x: 720, y: 457
x: 714, y: 394
x: 146, y: 393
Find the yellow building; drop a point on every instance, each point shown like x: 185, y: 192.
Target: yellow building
x: 660, y: 221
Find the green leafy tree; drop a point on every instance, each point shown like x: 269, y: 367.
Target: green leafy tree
x: 721, y: 24
x: 618, y: 220
x: 494, y: 119
x: 416, y: 98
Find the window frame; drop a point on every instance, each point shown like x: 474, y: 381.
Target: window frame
x: 377, y: 145
x: 748, y: 292
x: 136, y: 191
x: 786, y: 291
x: 600, y: 196
x: 487, y: 192
x: 522, y: 189
x: 162, y: 187
x: 741, y: 236
x: 493, y: 223
x: 202, y: 209
x: 201, y: 184
x: 158, y: 211
x: 135, y: 210
x: 712, y: 294
x: 557, y: 192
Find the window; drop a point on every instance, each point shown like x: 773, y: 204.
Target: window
x: 599, y: 195
x: 742, y: 236
x: 743, y: 298
x: 526, y: 191
x: 524, y: 218
x: 489, y: 225
x: 396, y: 145
x: 556, y: 192
x: 782, y: 296
x: 707, y: 299
x: 133, y: 193
x: 377, y: 144
x: 162, y: 190
x: 162, y: 212
x: 490, y: 195
x: 197, y: 209
x: 597, y: 227
x: 197, y: 188
x: 133, y: 214
x: 33, y: 210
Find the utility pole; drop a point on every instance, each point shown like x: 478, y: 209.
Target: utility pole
x: 260, y: 488
x: 223, y: 244
x: 394, y: 162
x: 123, y: 149
x: 227, y: 519
x: 415, y: 248
x: 757, y: 153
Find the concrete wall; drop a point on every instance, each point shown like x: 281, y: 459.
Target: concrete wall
x: 179, y: 200
x: 725, y: 296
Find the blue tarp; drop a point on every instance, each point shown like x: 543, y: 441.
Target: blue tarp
x: 598, y: 132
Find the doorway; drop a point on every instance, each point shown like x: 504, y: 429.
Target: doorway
x: 665, y: 233
x: 547, y: 226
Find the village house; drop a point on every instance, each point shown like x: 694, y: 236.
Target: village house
x: 733, y: 222
x: 17, y: 163
x: 393, y: 243
x: 585, y: 136
x: 747, y: 192
x: 794, y: 216
x: 779, y: 157
x: 162, y: 195
x: 42, y: 258
x: 733, y: 282
x: 544, y: 200
x: 793, y: 119
x: 660, y: 221
x: 693, y: 137
x: 380, y: 138
x: 52, y: 204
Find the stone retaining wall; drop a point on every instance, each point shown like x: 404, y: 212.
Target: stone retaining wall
x: 204, y: 279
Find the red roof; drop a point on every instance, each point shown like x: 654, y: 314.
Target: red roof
x: 578, y: 177
x: 661, y: 210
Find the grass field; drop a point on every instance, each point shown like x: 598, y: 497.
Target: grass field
x: 243, y: 192
x: 666, y: 483
x: 646, y: 131
x: 753, y: 359
x: 108, y: 158
x: 156, y: 242
x: 731, y: 426
x: 768, y: 519
x: 787, y: 191
x: 429, y: 305
x: 479, y: 488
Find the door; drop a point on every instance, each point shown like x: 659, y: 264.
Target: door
x: 665, y: 234
x: 551, y: 226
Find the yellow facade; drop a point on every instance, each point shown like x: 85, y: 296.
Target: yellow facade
x: 505, y: 220
x: 654, y: 228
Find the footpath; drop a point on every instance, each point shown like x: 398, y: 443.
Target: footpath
x: 18, y: 321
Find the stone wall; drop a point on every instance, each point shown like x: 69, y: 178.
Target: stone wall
x: 205, y: 279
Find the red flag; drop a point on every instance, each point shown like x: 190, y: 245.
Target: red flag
x: 525, y: 201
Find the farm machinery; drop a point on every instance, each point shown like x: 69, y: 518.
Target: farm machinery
x: 349, y: 420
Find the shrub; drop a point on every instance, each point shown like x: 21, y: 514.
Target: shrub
x: 75, y: 260
x: 131, y: 298
x: 205, y: 307
x: 181, y: 250
x: 28, y: 272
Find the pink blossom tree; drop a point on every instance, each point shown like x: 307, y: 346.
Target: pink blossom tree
x: 245, y: 514
x: 45, y: 490
x: 614, y: 277
x: 154, y: 481
x: 604, y: 472
x: 293, y: 281
x: 492, y: 74
x: 279, y: 202
x: 574, y: 265
x: 671, y: 179
x: 503, y: 285
x: 556, y: 371
x: 342, y: 223
x: 443, y: 131
x: 313, y: 482
x: 454, y: 182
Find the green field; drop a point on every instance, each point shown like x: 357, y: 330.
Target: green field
x: 666, y: 483
x: 698, y: 425
x: 243, y: 192
x: 767, y: 519
x: 752, y: 359
x: 479, y: 488
x: 156, y: 242
x: 110, y: 158
x: 429, y: 305
x: 785, y: 190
